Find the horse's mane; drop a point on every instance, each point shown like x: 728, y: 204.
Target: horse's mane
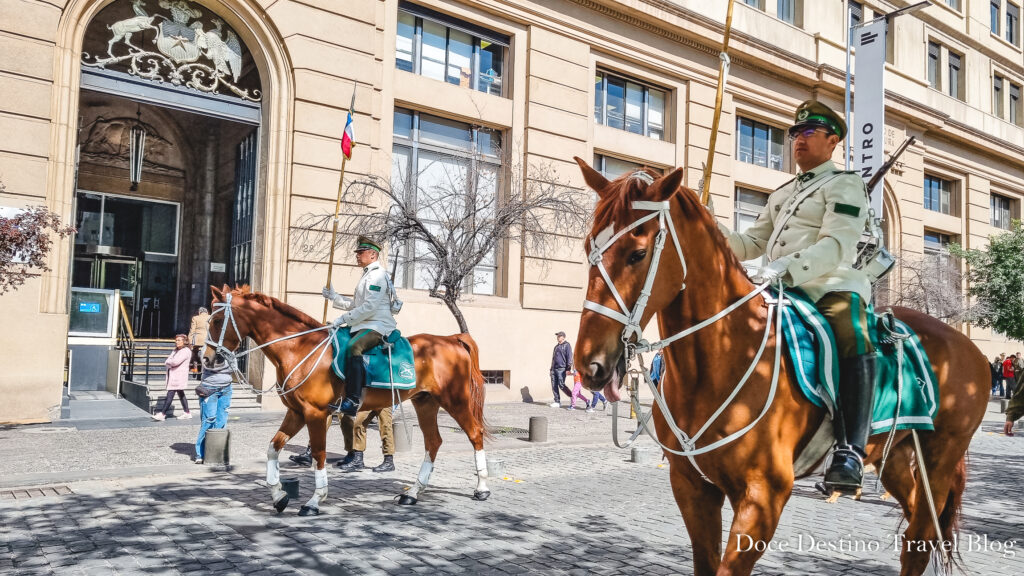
x: 286, y: 310
x: 624, y: 189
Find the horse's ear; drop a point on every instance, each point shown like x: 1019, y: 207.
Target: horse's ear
x: 667, y: 185
x: 217, y: 294
x: 593, y: 178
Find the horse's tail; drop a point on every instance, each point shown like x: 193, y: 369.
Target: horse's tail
x: 949, y: 520
x: 477, y: 388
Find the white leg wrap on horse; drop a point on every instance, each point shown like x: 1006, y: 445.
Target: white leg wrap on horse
x: 424, y: 477
x: 273, y: 466
x: 320, y: 493
x: 481, y: 471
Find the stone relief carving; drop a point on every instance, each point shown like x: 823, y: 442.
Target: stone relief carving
x: 105, y: 141
x: 182, y: 42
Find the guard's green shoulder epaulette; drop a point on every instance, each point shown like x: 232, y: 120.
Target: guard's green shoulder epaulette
x: 854, y: 172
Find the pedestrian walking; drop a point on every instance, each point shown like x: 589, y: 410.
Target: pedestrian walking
x: 1008, y: 380
x: 1018, y: 373
x: 577, y: 392
x: 177, y: 378
x: 214, y: 401
x: 996, y: 367
x: 561, y: 366
x: 354, y: 431
x: 197, y: 332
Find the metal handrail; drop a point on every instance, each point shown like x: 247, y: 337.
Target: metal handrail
x: 125, y: 341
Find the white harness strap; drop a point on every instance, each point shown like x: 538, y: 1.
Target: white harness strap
x: 630, y: 319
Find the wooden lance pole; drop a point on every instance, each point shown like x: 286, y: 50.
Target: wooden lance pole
x: 723, y: 73
x: 337, y: 204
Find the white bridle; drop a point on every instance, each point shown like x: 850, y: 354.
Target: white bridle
x: 232, y: 357
x: 631, y: 319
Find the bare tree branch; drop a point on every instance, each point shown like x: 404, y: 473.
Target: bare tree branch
x: 455, y: 213
x: 929, y: 283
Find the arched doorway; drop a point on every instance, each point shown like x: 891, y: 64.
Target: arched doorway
x: 166, y: 183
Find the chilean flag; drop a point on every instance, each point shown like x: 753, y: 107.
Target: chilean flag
x: 348, y: 139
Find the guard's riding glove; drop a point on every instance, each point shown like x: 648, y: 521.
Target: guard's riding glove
x: 774, y: 271
x: 339, y: 321
x: 329, y: 293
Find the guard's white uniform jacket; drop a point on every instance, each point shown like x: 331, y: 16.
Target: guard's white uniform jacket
x: 370, y: 306
x: 815, y: 225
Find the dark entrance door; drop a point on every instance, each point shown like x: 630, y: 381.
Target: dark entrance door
x: 246, y: 165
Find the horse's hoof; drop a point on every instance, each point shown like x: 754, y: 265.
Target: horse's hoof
x: 406, y: 500
x: 481, y: 495
x: 309, y: 511
x: 281, y: 504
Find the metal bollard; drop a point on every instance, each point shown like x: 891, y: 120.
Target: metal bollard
x: 402, y: 440
x: 640, y: 455
x: 538, y: 429
x: 290, y: 487
x: 495, y: 468
x: 218, y: 446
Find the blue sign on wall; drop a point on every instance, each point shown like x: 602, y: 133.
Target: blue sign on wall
x: 89, y: 307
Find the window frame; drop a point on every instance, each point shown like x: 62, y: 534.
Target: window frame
x: 406, y: 277
x: 995, y: 9
x: 951, y: 199
x: 786, y: 159
x: 601, y: 162
x: 998, y: 95
x: 478, y: 35
x: 996, y: 219
x: 1015, y: 109
x: 601, y: 100
x: 1012, y: 23
x: 934, y: 66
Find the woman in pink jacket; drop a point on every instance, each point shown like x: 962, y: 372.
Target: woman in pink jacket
x: 177, y: 377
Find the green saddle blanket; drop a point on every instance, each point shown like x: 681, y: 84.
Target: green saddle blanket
x: 399, y: 373
x: 906, y: 391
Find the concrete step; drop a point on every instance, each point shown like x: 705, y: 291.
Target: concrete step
x: 241, y: 400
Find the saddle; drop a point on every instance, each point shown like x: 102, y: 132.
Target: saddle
x: 391, y: 364
x: 906, y: 389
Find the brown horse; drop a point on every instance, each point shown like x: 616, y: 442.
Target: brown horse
x: 447, y: 376
x: 756, y: 470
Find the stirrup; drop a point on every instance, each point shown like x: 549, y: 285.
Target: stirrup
x: 849, y: 455
x: 348, y: 407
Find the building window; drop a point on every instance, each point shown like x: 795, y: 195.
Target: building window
x: 938, y: 195
x: 761, y: 144
x: 1012, y: 24
x: 993, y: 15
x: 954, y: 4
x: 997, y: 96
x: 499, y: 377
x: 758, y: 4
x: 611, y: 167
x: 956, y: 76
x: 935, y: 65
x: 936, y: 246
x: 436, y: 46
x: 436, y: 161
x: 1002, y: 211
x: 628, y: 105
x: 856, y: 13
x: 1016, y: 115
x: 789, y: 11
x: 749, y: 205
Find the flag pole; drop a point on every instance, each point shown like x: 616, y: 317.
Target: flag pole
x: 337, y: 205
x: 723, y: 73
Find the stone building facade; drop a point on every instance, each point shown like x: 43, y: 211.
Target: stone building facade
x: 625, y: 83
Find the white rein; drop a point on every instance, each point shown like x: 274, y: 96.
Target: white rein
x: 631, y: 322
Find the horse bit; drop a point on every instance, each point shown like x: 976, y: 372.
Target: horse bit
x: 630, y: 319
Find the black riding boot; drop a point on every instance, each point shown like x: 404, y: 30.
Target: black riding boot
x: 853, y: 423
x: 388, y: 465
x: 355, y: 377
x: 348, y: 458
x: 304, y: 459
x: 356, y: 464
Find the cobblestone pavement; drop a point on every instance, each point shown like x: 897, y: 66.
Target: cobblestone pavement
x: 99, y: 498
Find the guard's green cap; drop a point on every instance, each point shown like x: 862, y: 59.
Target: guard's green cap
x: 813, y: 113
x: 365, y: 243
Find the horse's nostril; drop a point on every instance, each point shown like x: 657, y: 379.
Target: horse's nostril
x: 596, y: 370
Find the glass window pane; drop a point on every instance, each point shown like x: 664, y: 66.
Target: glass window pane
x: 404, y: 41
x: 401, y: 156
x: 598, y: 98
x: 993, y: 16
x: 488, y: 142
x: 460, y: 58
x: 997, y: 96
x: 403, y: 123
x: 483, y: 280
x: 492, y: 67
x: 440, y: 185
x: 760, y: 144
x: 777, y: 149
x: 87, y: 220
x: 446, y: 132
x: 934, y: 53
x: 616, y: 108
x: 745, y: 141
x: 614, y: 167
x: 634, y: 108
x: 433, y: 50
x: 656, y: 114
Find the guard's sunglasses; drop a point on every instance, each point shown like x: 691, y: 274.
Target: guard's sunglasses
x: 795, y: 133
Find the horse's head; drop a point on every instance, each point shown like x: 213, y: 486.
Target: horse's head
x: 637, y: 267
x: 230, y: 320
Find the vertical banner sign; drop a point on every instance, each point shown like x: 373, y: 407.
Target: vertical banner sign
x: 869, y: 105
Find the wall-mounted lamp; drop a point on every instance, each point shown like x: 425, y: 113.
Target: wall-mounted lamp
x: 136, y: 149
